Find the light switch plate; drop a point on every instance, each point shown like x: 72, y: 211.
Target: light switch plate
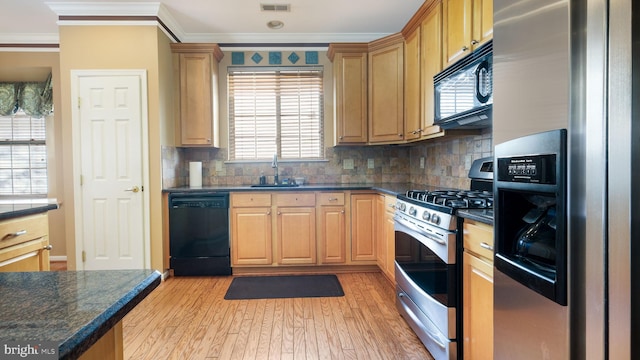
x: 347, y: 164
x: 422, y: 163
x: 370, y: 163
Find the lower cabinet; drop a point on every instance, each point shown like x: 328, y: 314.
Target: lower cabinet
x: 296, y: 229
x: 332, y: 229
x: 24, y: 243
x: 251, y: 238
x: 385, y: 237
x: 477, y: 280
x: 363, y: 218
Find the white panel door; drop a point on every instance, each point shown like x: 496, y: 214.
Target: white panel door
x: 110, y: 121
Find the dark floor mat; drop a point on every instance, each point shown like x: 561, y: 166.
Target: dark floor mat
x: 283, y: 286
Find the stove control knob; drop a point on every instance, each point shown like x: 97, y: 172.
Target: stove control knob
x: 413, y: 211
x: 402, y: 206
x: 426, y: 216
x: 435, y: 219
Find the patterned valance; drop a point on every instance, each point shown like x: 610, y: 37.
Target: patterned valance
x: 34, y: 98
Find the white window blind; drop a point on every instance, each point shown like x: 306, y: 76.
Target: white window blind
x: 23, y: 155
x: 275, y: 111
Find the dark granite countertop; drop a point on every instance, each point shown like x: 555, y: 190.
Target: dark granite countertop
x: 387, y: 188
x: 482, y: 215
x: 21, y: 207
x: 71, y: 308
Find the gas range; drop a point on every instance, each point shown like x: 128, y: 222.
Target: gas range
x: 438, y: 207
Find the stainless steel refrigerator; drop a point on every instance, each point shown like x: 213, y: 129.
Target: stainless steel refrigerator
x: 574, y: 65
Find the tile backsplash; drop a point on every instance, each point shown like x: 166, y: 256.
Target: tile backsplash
x: 446, y: 164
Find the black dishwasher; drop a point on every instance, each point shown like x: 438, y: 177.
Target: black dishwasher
x: 199, y: 233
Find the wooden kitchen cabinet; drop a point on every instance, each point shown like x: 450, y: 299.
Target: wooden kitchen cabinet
x: 363, y: 218
x: 423, y: 60
x: 349, y: 91
x: 332, y: 231
x: 251, y: 230
x: 467, y: 24
x: 477, y: 287
x: 296, y: 228
x: 24, y: 243
x: 386, y: 90
x: 196, y: 68
x: 385, y: 238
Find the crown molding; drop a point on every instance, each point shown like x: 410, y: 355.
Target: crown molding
x: 29, y: 38
x: 297, y: 38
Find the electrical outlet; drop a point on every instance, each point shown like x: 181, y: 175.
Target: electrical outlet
x: 370, y: 163
x: 422, y: 163
x: 347, y: 164
x: 218, y: 165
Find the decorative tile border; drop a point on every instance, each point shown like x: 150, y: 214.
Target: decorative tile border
x: 275, y: 57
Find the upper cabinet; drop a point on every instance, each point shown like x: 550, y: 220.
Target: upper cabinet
x: 467, y: 24
x: 196, y: 69
x: 423, y: 60
x: 386, y: 90
x: 350, y: 92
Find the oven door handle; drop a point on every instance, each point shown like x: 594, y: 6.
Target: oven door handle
x: 427, y: 330
x: 411, y: 226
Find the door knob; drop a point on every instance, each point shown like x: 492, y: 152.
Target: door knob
x: 134, y: 189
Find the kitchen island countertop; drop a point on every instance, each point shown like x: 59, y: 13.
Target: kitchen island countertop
x: 13, y: 208
x: 71, y: 308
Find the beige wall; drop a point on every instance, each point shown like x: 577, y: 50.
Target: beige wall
x: 21, y: 63
x: 119, y: 47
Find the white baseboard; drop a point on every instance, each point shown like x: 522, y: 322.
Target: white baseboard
x: 58, y: 258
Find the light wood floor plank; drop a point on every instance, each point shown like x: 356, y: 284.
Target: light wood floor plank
x: 188, y: 318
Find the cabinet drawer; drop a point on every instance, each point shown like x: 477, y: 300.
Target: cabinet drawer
x: 250, y: 199
x: 330, y: 199
x: 478, y: 238
x: 22, y: 229
x: 296, y: 199
x: 390, y: 203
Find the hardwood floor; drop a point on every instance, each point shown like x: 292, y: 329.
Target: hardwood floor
x: 188, y: 318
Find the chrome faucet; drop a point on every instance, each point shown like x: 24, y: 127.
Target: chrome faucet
x: 274, y: 164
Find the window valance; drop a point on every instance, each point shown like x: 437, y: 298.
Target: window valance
x: 34, y: 98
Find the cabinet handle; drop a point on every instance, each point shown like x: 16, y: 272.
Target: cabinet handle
x: 279, y: 213
x: 208, y: 140
x: 417, y: 131
x: 15, y: 234
x: 269, y: 212
x: 392, y: 206
x: 465, y: 48
x: 484, y: 245
x: 333, y: 199
x: 399, y: 135
x: 475, y: 42
x: 342, y: 212
x: 48, y: 247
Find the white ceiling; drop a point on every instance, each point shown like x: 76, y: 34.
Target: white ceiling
x: 220, y: 21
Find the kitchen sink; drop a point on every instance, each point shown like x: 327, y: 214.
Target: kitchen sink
x: 274, y: 185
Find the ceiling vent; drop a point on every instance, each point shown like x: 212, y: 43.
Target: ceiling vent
x: 275, y: 7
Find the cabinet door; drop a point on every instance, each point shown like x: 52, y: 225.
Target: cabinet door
x: 457, y: 27
x: 251, y: 236
x: 196, y: 99
x: 412, y: 81
x: 390, y: 236
x: 482, y: 22
x: 32, y: 255
x: 296, y: 235
x: 431, y: 64
x: 386, y: 94
x: 477, y: 307
x: 350, y: 81
x: 332, y: 234
x: 381, y: 236
x: 363, y: 211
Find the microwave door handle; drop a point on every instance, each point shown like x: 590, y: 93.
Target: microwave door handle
x: 484, y: 65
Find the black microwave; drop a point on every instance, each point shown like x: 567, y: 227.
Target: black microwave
x: 464, y: 91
